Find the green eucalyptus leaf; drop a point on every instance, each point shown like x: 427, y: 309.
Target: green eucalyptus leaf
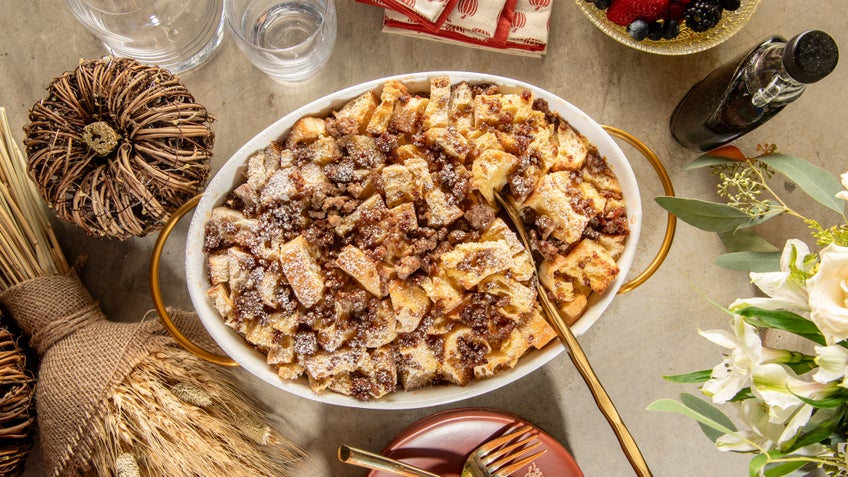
x: 690, y: 378
x: 757, y: 464
x: 749, y: 261
x: 713, y: 422
x: 708, y: 160
x: 746, y: 240
x: 711, y: 412
x: 817, y: 431
x: 705, y: 215
x: 818, y: 183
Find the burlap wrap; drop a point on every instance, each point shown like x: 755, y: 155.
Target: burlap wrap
x: 83, y: 356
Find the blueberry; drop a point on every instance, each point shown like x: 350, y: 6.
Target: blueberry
x: 638, y: 30
x: 671, y: 28
x: 655, y: 31
x: 602, y: 4
x: 731, y: 4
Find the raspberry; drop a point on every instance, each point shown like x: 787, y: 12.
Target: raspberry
x: 625, y: 12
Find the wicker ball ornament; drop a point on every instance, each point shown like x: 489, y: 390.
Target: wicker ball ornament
x: 116, y: 146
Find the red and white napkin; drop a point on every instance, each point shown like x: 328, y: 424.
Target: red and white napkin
x: 509, y: 26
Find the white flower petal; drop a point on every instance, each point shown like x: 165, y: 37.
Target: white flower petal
x: 722, y: 338
x: 801, y: 250
x: 828, y: 295
x: 799, y: 420
x: 833, y: 363
x: 739, y: 442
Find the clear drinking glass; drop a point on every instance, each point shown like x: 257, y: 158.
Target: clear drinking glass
x: 173, y: 34
x: 290, y: 40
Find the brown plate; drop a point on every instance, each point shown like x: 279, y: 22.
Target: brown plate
x: 440, y: 443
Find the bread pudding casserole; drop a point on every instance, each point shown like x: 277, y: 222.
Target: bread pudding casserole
x: 363, y: 250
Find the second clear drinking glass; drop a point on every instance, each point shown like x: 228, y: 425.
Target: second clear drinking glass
x: 290, y: 40
x: 176, y: 35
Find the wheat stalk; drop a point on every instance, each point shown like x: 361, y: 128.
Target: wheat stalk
x: 28, y: 246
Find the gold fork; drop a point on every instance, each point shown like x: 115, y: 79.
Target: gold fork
x: 501, y: 456
x: 578, y: 357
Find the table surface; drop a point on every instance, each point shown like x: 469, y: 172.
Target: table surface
x: 645, y: 334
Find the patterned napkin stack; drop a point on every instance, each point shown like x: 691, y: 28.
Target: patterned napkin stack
x: 509, y: 26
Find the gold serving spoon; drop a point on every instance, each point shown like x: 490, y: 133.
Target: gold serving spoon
x: 578, y: 357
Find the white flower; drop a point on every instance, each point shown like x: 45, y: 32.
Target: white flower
x: 734, y: 373
x: 843, y: 194
x: 783, y: 291
x: 781, y: 389
x: 828, y: 290
x: 832, y: 364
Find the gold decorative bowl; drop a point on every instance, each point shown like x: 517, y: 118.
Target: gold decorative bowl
x: 686, y: 42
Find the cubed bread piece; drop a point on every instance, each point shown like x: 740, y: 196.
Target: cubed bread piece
x: 613, y: 243
x: 358, y: 110
x: 549, y: 199
x: 440, y: 212
x: 571, y: 149
x: 259, y: 334
x: 392, y: 92
x: 461, y: 112
x: 410, y: 303
x: 438, y: 108
x: 372, y: 205
x: 409, y: 114
x: 463, y: 352
x: 418, y: 366
x: 519, y: 106
x: 220, y: 296
x: 480, y: 142
x: 282, y: 351
x: 363, y: 150
x: 218, y: 266
x: 489, y: 110
x: 362, y: 268
x: 323, y: 151
x: 290, y: 371
x: 442, y: 293
x: 409, y: 151
x: 469, y: 263
x: 306, y: 130
x: 378, y: 328
x: 301, y: 271
x: 590, y: 264
x: 241, y: 263
x: 260, y: 166
x: 268, y: 287
x: 286, y: 323
x: 420, y: 171
x: 449, y: 141
x: 490, y: 170
x: 231, y: 227
x: 397, y: 184
x: 521, y: 297
x: 281, y: 187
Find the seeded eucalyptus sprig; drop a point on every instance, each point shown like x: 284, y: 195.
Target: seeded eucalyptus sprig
x: 749, y: 201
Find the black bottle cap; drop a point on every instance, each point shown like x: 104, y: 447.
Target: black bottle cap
x: 810, y: 56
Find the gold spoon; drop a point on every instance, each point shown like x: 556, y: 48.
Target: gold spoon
x: 369, y: 460
x: 578, y: 357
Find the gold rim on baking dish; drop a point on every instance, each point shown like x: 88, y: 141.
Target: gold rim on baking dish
x: 155, y: 261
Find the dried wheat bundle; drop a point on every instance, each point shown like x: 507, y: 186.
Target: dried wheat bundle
x: 116, y: 146
x: 121, y: 398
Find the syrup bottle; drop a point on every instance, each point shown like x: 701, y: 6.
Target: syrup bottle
x: 743, y: 94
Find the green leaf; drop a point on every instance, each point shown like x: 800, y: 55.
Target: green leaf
x: 817, y: 431
x: 710, y: 411
x: 749, y: 261
x: 746, y: 240
x: 782, y: 320
x: 706, y: 414
x: 818, y: 183
x: 833, y: 401
x: 690, y: 378
x: 783, y: 468
x: 709, y: 216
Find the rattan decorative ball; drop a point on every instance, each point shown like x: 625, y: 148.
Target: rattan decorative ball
x: 17, y: 404
x: 116, y: 146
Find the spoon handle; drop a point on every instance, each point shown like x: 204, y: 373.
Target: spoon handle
x: 369, y: 460
x: 578, y: 357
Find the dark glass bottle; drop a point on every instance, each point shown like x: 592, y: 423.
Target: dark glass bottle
x: 744, y: 93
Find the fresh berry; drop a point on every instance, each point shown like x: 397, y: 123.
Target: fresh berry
x: 675, y: 11
x: 701, y: 15
x: 602, y: 4
x: 731, y: 5
x: 655, y: 31
x: 638, y: 29
x: 625, y: 12
x: 671, y: 28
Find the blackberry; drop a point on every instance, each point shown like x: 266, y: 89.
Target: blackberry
x: 731, y: 4
x: 701, y: 15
